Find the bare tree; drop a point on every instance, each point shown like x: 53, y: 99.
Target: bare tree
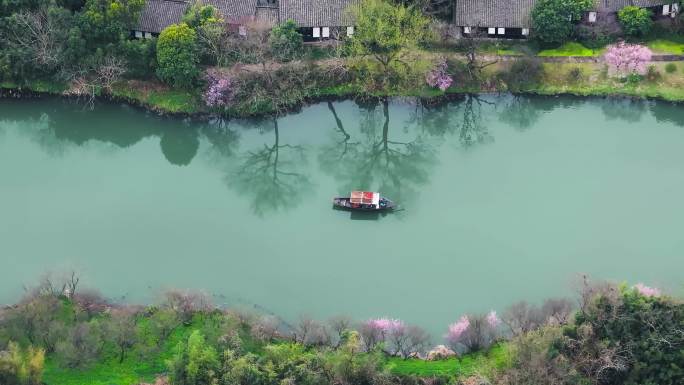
x: 479, y: 335
x: 557, y: 311
x: 470, y: 46
x: 55, y: 285
x: 339, y: 325
x: 521, y: 317
x: 87, y: 81
x: 121, y: 329
x: 303, y: 329
x: 588, y: 291
x: 187, y: 303
x: 82, y: 345
x: 91, y: 302
x: 265, y: 328
x: 370, y: 336
x: 38, y: 33
x: 408, y: 341
x: 109, y: 71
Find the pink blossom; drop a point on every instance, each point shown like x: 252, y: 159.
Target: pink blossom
x: 439, y: 76
x: 647, y: 291
x: 220, y: 91
x: 625, y: 59
x: 493, y: 320
x: 457, y: 329
x: 385, y: 325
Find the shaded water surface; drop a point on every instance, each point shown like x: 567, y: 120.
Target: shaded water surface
x: 505, y: 198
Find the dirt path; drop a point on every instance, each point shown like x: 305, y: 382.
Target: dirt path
x: 271, y: 66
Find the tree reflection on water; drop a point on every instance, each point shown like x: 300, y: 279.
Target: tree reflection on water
x: 272, y: 176
x: 375, y: 160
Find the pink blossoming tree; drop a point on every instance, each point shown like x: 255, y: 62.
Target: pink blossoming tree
x: 473, y: 333
x: 647, y: 291
x: 220, y: 89
x: 375, y: 331
x: 439, y: 77
x: 493, y: 319
x: 394, y: 336
x: 626, y: 59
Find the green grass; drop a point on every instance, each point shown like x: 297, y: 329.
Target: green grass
x: 133, y: 370
x: 175, y: 101
x: 43, y: 86
x: 161, y: 98
x: 569, y: 49
x: 666, y: 46
x: 497, y: 358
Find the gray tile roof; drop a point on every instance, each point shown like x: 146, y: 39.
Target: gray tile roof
x: 616, y: 5
x: 493, y: 13
x: 267, y: 15
x: 234, y: 11
x: 159, y: 14
x: 316, y: 13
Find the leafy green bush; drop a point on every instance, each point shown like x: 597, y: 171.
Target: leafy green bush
x: 633, y: 78
x: 177, y: 57
x: 552, y: 20
x: 635, y: 21
x: 286, y: 42
x: 594, y: 36
x: 636, y: 337
x: 199, y: 15
x: 141, y: 57
x: 671, y: 68
x: 195, y: 362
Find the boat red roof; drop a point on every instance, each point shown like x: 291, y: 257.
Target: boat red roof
x: 364, y: 197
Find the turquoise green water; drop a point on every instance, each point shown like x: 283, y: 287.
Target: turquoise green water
x: 505, y: 199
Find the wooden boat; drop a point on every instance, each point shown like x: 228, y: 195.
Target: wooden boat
x: 363, y: 201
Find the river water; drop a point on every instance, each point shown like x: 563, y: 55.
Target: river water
x: 505, y: 198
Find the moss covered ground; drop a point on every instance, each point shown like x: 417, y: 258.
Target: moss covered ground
x: 487, y: 363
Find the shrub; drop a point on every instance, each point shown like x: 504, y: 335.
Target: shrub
x: 141, y: 57
x: 575, y: 75
x: 177, y: 55
x: 671, y: 68
x: 633, y: 78
x: 552, y: 20
x: 195, y: 362
x: 635, y: 21
x: 523, y: 72
x: 286, y: 43
x: 596, y: 35
x: 630, y: 337
x: 652, y: 74
x: 21, y: 367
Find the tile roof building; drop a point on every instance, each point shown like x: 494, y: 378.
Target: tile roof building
x: 314, y: 17
x: 159, y: 14
x: 512, y: 18
x: 493, y: 13
x: 316, y: 13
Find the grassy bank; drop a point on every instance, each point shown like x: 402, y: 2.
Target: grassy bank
x: 484, y: 364
x: 145, y: 366
x: 666, y: 82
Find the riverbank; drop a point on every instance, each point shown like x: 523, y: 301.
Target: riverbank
x: 579, y: 76
x: 62, y: 334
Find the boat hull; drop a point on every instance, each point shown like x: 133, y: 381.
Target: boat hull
x: 344, y: 203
